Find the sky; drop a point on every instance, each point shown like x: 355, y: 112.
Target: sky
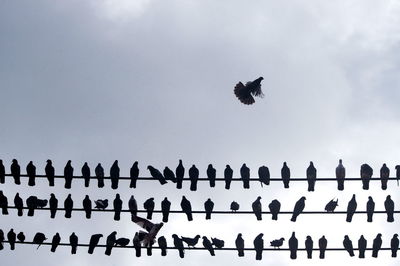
x: 152, y: 81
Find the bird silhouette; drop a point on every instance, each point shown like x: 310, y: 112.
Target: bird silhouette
x: 86, y: 174
x: 218, y: 243
x: 50, y: 172
x: 259, y: 246
x: 309, y: 246
x: 322, y: 243
x: 366, y: 173
x: 298, y: 208
x: 228, y: 174
x: 389, y: 207
x: 31, y: 172
x: 263, y: 175
x: 132, y: 204
x: 156, y: 174
x: 55, y: 242
x: 137, y: 245
x: 39, y: 238
x: 19, y: 204
x: 331, y: 205
x: 191, y: 242
x: 162, y: 243
x: 165, y: 209
x: 117, y: 207
x: 1, y: 239
x: 362, y: 246
x: 99, y: 172
x: 186, y: 208
x: 348, y: 245
x: 147, y: 238
x: 148, y: 205
x: 101, y: 204
x: 2, y: 172
x: 397, y: 174
x: 257, y: 208
x: 32, y: 204
x: 114, y: 175
x: 68, y: 174
x: 234, y: 206
x: 169, y: 174
x: 21, y: 237
x: 134, y: 174
x: 274, y: 208
x: 285, y: 174
x: 211, y: 174
x: 340, y: 175
x: 179, y: 173
x: 16, y: 172
x: 311, y: 174
x: 3, y: 203
x: 394, y: 245
x: 53, y: 202
x: 293, y: 246
x: 93, y: 242
x: 370, y: 209
x: 385, y: 173
x: 194, y: 177
x: 179, y: 245
x: 239, y: 242
x: 245, y: 175
x: 277, y: 243
x: 68, y: 205
x: 11, y: 237
x: 110, y: 242
x: 246, y: 92
x: 208, y: 245
x: 73, y: 241
x: 208, y: 206
x: 376, y: 245
x: 351, y: 208
x: 122, y: 242
x: 87, y: 206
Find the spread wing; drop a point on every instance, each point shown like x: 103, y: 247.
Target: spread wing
x: 242, y: 92
x: 144, y: 223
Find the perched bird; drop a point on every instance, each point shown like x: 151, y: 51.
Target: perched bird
x: 11, y: 237
x: 169, y: 175
x: 285, y: 174
x: 99, y: 172
x: 234, y: 206
x: 179, y: 173
x: 257, y: 208
x: 351, y: 208
x: 68, y: 205
x: 376, y: 245
x: 148, y: 205
x: 94, y: 241
x: 50, y: 172
x: 110, y: 242
x: 191, y: 242
x: 239, y: 242
x: 228, y: 174
x: 370, y: 209
x: 179, y: 245
x: 322, y: 243
x: 208, y: 245
x: 3, y: 203
x: 366, y: 173
x: 114, y: 175
x: 21, y: 237
x: 87, y: 206
x: 245, y: 175
x: 41, y: 203
x: 19, y: 204
x: 208, y: 206
x: 68, y: 174
x: 311, y: 174
x: 86, y: 173
x: 397, y: 174
x: 137, y: 245
x: 331, y: 205
x: 259, y: 246
x: 165, y: 208
x: 394, y: 245
x: 274, y: 208
x: 31, y: 172
x: 16, y: 172
x: 55, y: 242
x: 362, y: 246
x: 277, y: 243
x: 53, y: 202
x: 101, y: 204
x: 73, y: 241
x: 194, y: 177
x: 246, y: 92
x: 211, y: 174
x: 293, y: 246
x: 389, y: 207
x: 1, y: 239
x: 385, y: 173
x: 162, y: 243
x: 348, y: 245
x: 186, y: 208
x: 122, y: 242
x: 132, y: 204
x: 298, y: 208
x: 117, y: 204
x: 218, y: 243
x: 309, y: 246
x: 2, y: 172
x: 155, y: 173
x: 32, y: 204
x: 340, y: 175
x: 263, y: 175
x: 39, y: 238
x: 134, y: 174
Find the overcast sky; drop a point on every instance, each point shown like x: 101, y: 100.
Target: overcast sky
x: 152, y: 81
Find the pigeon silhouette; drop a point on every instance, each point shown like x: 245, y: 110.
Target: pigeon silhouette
x: 73, y: 241
x: 389, y: 207
x: 1, y: 239
x: 162, y: 243
x: 32, y: 204
x: 21, y: 237
x: 191, y: 242
x: 234, y: 206
x: 348, y: 245
x: 239, y: 242
x: 298, y: 208
x: 259, y: 246
x: 187, y: 208
x: 362, y: 246
x: 340, y: 175
x: 68, y: 174
x: 211, y: 175
x: 11, y: 237
x: 331, y: 205
x: 179, y: 245
x: 99, y: 172
x: 309, y: 246
x: 110, y: 242
x: 385, y: 173
x: 366, y: 173
x: 245, y: 175
x: 53, y: 205
x: 132, y: 204
x: 397, y: 174
x: 86, y: 174
x: 117, y: 207
x: 228, y: 175
x: 122, y: 242
x: 31, y: 172
x: 94, y: 241
x: 148, y: 205
x: 169, y: 174
x: 246, y: 92
x: 87, y: 206
x: 293, y: 246
x: 274, y: 208
x: 16, y: 172
x: 322, y: 243
x: 134, y: 174
x: 137, y: 244
x: 370, y: 209
x: 39, y: 238
x: 101, y: 204
x: 394, y: 245
x: 3, y: 203
x: 311, y: 174
x: 263, y: 175
x: 179, y: 173
x: 114, y: 175
x: 68, y: 206
x: 376, y: 245
x: 208, y: 206
x: 194, y: 177
x: 285, y: 174
x: 165, y: 209
x: 2, y: 172
x: 351, y: 208
x: 208, y: 245
x: 257, y: 208
x: 152, y: 229
x: 19, y: 204
x: 277, y: 243
x: 50, y: 172
x: 156, y: 174
x: 55, y: 242
x: 218, y: 243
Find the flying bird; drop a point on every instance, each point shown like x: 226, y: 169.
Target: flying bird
x: 151, y: 228
x: 246, y: 92
x: 191, y: 242
x: 331, y: 205
x: 277, y: 243
x: 298, y: 208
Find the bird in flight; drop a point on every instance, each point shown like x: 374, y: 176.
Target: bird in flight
x: 246, y: 92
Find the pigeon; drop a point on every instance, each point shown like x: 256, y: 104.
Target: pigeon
x: 211, y: 174
x: 2, y: 172
x: 19, y: 204
x: 285, y: 174
x: 132, y: 204
x: 322, y: 243
x: 234, y: 206
x: 50, y: 172
x: 55, y: 242
x: 397, y: 174
x: 94, y: 241
x: 331, y: 205
x: 277, y: 243
x: 165, y: 208
x: 246, y: 92
x: 389, y: 207
x: 366, y: 173
x: 245, y: 175
x: 110, y: 242
x: 101, y: 204
x: 191, y: 242
x: 376, y: 245
x: 16, y: 172
x: 293, y: 246
x: 340, y: 175
x: 370, y: 209
x: 239, y: 242
x: 228, y: 174
x: 134, y: 174
x: 155, y: 173
x: 169, y: 175
x: 179, y: 245
x: 298, y: 208
x: 31, y: 203
x: 311, y: 176
x: 122, y: 242
x: 1, y: 239
x: 31, y: 172
x: 151, y: 228
x: 394, y: 245
x: 351, y: 208
x: 362, y: 246
x: 39, y: 238
x: 73, y: 241
x: 68, y: 174
x: 148, y: 205
x: 3, y: 203
x: 68, y: 205
x: 194, y: 177
x: 53, y: 205
x: 348, y: 245
x: 274, y: 208
x: 41, y: 203
x: 86, y: 173
x: 218, y: 243
x: 309, y: 246
x: 99, y: 172
x: 187, y: 208
x: 179, y: 173
x: 11, y: 237
x: 114, y: 175
x: 257, y: 208
x: 21, y: 237
x: 162, y: 243
x: 137, y: 243
x: 117, y: 203
x: 208, y: 245
x: 263, y: 175
x: 259, y: 246
x: 87, y: 206
x: 208, y: 206
x: 385, y: 173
